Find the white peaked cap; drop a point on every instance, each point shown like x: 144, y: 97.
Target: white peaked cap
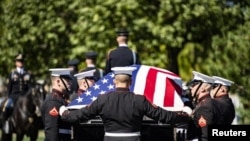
x: 222, y: 81
x: 123, y: 70
x: 60, y: 71
x: 85, y: 74
x: 202, y: 77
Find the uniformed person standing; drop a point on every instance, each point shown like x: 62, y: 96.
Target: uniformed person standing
x: 122, y: 111
x: 20, y: 80
x: 85, y: 80
x: 220, y: 93
x: 55, y: 129
x: 205, y: 112
x: 90, y: 60
x: 123, y: 55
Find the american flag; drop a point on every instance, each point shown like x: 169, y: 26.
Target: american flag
x: 161, y: 87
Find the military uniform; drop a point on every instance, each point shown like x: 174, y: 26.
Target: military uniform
x: 205, y: 113
x: 55, y: 128
x: 226, y: 109
x: 122, y: 114
x: 121, y: 56
x: 223, y: 101
x: 19, y: 83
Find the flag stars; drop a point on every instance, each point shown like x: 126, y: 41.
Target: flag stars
x: 104, y: 81
x: 93, y: 98
x: 79, y: 99
x: 96, y: 86
x: 88, y: 93
x: 102, y: 92
x: 110, y: 86
x: 112, y: 75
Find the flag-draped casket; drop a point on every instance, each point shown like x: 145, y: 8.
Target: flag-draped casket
x: 161, y: 87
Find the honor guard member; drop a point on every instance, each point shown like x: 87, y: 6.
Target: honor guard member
x: 205, y: 112
x: 73, y: 65
x: 90, y: 60
x: 85, y: 80
x: 55, y: 129
x: 220, y: 93
x: 122, y: 111
x: 20, y: 81
x: 123, y: 55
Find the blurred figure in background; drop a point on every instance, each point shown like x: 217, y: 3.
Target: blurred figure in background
x: 90, y: 60
x: 73, y: 66
x: 20, y: 80
x: 122, y: 55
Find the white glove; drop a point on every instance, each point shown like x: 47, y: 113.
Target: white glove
x: 187, y: 110
x: 62, y: 109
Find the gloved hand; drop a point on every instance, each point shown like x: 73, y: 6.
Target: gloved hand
x: 187, y: 110
x: 62, y: 109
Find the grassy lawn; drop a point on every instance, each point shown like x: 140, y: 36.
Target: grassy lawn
x: 40, y: 136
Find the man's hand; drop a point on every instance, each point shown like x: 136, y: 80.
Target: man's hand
x: 62, y: 109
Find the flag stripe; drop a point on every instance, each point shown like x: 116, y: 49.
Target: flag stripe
x: 169, y: 97
x: 160, y: 88
x: 149, y: 88
x: 140, y: 77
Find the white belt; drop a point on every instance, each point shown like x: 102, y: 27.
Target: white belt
x: 122, y: 134
x: 65, y: 131
x: 193, y: 139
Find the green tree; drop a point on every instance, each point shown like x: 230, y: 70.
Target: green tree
x: 174, y: 34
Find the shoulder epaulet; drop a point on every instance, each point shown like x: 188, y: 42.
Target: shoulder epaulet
x: 134, y: 57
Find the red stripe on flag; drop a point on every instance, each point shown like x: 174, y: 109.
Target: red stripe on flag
x: 150, y: 84
x: 169, y: 94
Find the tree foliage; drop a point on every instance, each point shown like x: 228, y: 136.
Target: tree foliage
x: 208, y: 36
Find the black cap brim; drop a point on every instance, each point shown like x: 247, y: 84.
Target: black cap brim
x: 66, y: 77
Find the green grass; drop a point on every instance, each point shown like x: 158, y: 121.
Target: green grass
x: 40, y: 136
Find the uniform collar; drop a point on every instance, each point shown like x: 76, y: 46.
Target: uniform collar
x: 57, y: 93
x: 20, y: 70
x: 122, y: 89
x: 91, y: 65
x: 123, y: 45
x: 222, y: 96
